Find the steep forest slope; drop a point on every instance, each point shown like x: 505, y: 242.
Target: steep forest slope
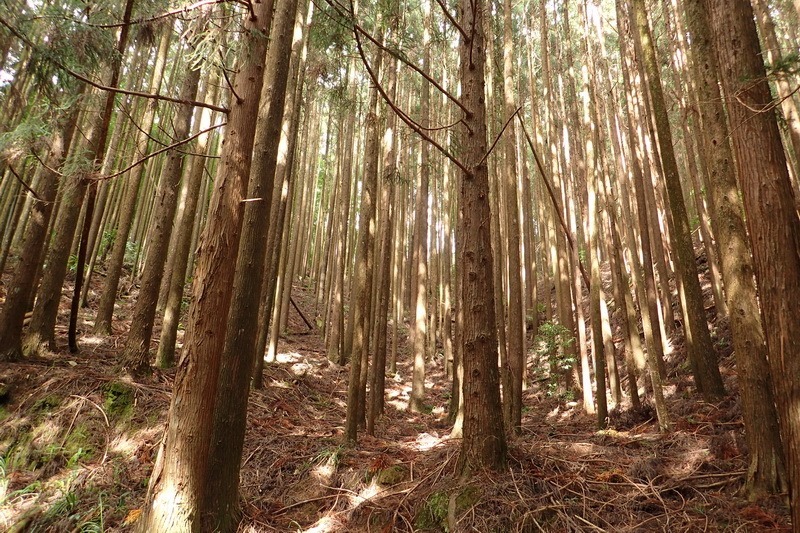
x: 78, y: 441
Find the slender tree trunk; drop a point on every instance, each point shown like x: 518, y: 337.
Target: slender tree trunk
x: 181, y: 251
x: 647, y: 292
x: 515, y: 334
x: 98, y: 148
x: 137, y: 345
x: 700, y: 349
x: 362, y: 288
x: 23, y: 282
x: 108, y: 295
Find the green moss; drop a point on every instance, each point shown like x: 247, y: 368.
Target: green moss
x: 20, y: 454
x: 392, y: 475
x: 118, y: 400
x: 435, y: 510
x: 77, y: 445
x: 46, y: 404
x: 467, y: 498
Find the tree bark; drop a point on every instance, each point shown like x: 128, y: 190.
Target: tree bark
x: 700, y: 349
x: 772, y: 219
x: 176, y: 492
x: 484, y: 442
x: 137, y: 345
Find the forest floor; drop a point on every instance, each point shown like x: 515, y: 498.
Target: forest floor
x: 78, y: 441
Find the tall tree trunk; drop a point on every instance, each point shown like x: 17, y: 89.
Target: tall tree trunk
x: 137, y: 345
x: 772, y: 219
x: 594, y: 206
x: 230, y: 410
x: 108, y: 295
x: 484, y: 442
x: 647, y: 290
x: 420, y: 263
x: 378, y: 382
x: 23, y: 283
x: 700, y: 349
x: 515, y: 334
x: 767, y: 470
x: 98, y: 149
x: 181, y: 251
x: 363, y: 279
x: 176, y: 492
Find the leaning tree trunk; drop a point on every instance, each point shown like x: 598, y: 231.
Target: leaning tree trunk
x: 700, y: 349
x: 176, y: 492
x: 98, y: 148
x: 230, y: 410
x: 23, y: 283
x: 108, y: 295
x: 137, y: 345
x: 45, y: 312
x: 769, y: 204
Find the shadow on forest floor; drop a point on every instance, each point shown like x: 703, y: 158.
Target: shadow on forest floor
x: 77, y: 444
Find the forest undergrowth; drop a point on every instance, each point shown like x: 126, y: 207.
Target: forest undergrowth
x: 78, y: 442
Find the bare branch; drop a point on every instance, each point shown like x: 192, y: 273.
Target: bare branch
x: 171, y: 12
x: 497, y: 139
x: 161, y: 151
x: 556, y: 203
x: 400, y: 113
x: 411, y: 65
x: 451, y: 18
x: 154, y: 139
x: 22, y: 182
x: 107, y: 88
x: 239, y: 99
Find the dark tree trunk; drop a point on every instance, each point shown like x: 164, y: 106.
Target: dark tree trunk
x: 767, y: 471
x: 230, y: 411
x: 700, y: 349
x: 484, y: 441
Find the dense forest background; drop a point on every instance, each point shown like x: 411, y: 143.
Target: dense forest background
x: 382, y: 265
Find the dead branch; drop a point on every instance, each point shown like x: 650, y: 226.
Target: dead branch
x: 556, y: 203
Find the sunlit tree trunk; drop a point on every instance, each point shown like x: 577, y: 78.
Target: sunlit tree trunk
x: 176, y: 492
x: 647, y: 290
x: 700, y: 349
x: 515, y: 327
x: 108, y: 295
x: 420, y: 278
x: 180, y: 247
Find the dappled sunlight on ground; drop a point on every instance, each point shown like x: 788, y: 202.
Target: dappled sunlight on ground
x: 96, y: 435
